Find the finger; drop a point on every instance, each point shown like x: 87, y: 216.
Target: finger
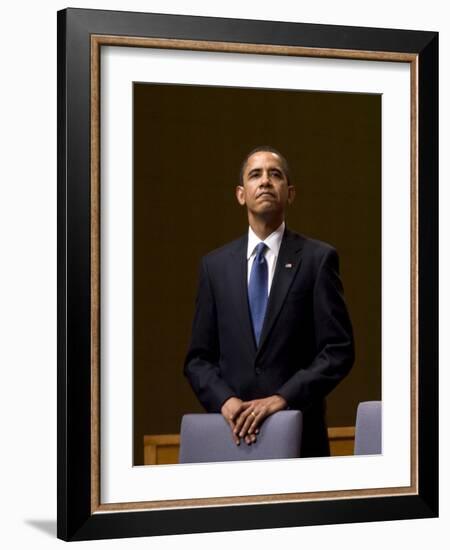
x: 232, y: 416
x: 257, y: 419
x: 244, y: 417
x: 240, y: 420
x: 248, y: 421
x: 242, y: 407
x: 250, y: 439
x: 235, y: 437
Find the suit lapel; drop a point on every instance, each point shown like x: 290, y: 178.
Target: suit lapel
x: 289, y: 259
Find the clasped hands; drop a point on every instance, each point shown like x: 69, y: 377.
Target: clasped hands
x: 246, y: 417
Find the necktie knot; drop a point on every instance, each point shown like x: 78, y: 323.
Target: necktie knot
x: 260, y: 252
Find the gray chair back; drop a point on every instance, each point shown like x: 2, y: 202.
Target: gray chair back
x: 368, y: 428
x: 207, y: 438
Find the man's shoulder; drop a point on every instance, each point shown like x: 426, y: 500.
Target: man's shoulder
x: 226, y: 249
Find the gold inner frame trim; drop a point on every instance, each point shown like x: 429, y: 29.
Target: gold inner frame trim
x: 97, y: 41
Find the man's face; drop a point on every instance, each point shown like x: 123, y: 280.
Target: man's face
x: 265, y: 191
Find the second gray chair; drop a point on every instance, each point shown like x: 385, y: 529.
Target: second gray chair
x: 368, y: 428
x: 207, y: 438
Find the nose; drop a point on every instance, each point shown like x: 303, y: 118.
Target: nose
x: 265, y: 180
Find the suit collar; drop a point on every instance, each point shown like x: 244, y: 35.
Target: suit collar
x: 273, y: 241
x: 290, y: 241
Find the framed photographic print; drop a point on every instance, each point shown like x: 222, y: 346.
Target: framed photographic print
x: 156, y: 114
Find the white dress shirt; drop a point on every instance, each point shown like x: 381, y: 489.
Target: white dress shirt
x: 273, y: 243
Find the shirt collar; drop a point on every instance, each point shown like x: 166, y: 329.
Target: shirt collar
x: 273, y: 241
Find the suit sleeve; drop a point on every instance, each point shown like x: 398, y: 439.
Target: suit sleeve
x: 201, y: 366
x: 334, y: 340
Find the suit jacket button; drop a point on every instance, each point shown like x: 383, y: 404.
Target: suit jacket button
x: 258, y: 370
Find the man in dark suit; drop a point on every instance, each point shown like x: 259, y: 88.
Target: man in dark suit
x: 271, y: 329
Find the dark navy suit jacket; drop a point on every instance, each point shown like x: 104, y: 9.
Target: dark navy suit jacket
x: 306, y: 346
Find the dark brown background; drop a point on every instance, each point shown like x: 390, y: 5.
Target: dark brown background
x: 189, y: 142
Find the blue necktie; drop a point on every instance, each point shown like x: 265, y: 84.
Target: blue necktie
x: 257, y: 290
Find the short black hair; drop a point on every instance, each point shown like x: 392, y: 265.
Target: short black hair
x: 269, y: 149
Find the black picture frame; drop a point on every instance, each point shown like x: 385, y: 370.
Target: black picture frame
x: 78, y: 518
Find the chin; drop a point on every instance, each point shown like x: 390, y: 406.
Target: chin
x: 267, y: 213
x: 268, y: 207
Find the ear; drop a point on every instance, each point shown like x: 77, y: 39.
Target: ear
x: 240, y: 194
x: 291, y: 194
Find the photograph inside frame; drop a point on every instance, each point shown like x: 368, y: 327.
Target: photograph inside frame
x: 239, y: 243
x: 219, y: 346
